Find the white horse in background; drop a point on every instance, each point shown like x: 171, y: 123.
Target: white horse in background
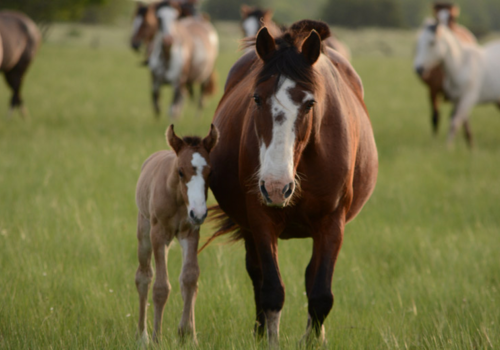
x: 472, y: 72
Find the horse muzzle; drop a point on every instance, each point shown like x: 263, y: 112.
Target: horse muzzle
x: 136, y: 45
x: 276, y: 193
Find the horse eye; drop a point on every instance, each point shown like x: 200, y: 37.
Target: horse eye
x: 257, y: 100
x: 181, y: 174
x: 310, y: 105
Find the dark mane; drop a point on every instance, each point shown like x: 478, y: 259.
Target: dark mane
x: 193, y: 141
x: 287, y: 60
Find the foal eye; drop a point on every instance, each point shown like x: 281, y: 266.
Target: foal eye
x: 181, y: 174
x: 257, y: 99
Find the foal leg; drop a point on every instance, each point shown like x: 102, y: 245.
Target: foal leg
x: 144, y: 273
x: 327, y: 241
x: 255, y: 272
x: 160, y: 240
x: 189, y: 281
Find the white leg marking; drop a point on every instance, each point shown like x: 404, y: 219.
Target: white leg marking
x: 273, y: 327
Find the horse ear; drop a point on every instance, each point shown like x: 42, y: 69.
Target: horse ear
x: 173, y: 140
x: 311, y: 48
x: 265, y: 44
x: 210, y: 141
x: 244, y: 10
x: 455, y: 11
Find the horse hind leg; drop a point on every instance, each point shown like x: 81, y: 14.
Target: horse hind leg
x: 208, y: 87
x: 144, y: 274
x: 434, y: 97
x: 160, y: 241
x: 468, y: 134
x: 156, y: 97
x: 189, y: 283
x: 176, y: 107
x: 14, y: 79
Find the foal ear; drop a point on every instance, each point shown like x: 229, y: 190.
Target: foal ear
x: 311, y: 48
x: 265, y: 44
x: 210, y: 141
x: 173, y: 140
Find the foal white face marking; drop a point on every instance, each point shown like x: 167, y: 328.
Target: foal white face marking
x: 196, y: 188
x: 167, y: 15
x: 250, y: 26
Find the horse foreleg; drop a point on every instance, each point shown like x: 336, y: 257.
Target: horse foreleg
x: 189, y: 282
x: 161, y: 288
x: 434, y: 97
x: 460, y: 114
x: 176, y: 108
x: 272, y: 291
x: 255, y: 272
x: 327, y: 241
x: 468, y: 134
x: 207, y: 88
x: 156, y: 96
x: 144, y: 273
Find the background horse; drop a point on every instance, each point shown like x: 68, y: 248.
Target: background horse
x: 434, y: 77
x: 254, y: 18
x: 19, y: 42
x: 184, y: 53
x: 471, y: 72
x: 296, y: 159
x: 171, y: 198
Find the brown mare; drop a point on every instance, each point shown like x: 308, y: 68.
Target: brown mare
x: 254, y: 18
x: 171, y: 198
x: 296, y: 159
x: 19, y: 42
x: 183, y: 52
x: 435, y: 77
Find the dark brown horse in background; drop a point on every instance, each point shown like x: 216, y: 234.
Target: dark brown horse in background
x: 296, y: 159
x: 19, y: 42
x: 434, y: 78
x: 254, y: 18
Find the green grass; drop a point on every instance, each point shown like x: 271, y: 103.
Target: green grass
x: 419, y: 267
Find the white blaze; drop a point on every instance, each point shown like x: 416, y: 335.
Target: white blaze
x: 276, y: 160
x: 196, y: 188
x: 167, y: 15
x: 250, y: 26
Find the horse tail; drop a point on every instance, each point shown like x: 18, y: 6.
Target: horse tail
x: 210, y: 86
x: 224, y: 226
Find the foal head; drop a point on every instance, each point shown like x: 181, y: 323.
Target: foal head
x: 431, y: 45
x: 193, y: 170
x: 284, y: 96
x: 144, y: 26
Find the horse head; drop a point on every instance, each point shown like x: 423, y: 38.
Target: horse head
x: 144, y: 26
x: 283, y: 110
x: 253, y: 18
x: 193, y: 170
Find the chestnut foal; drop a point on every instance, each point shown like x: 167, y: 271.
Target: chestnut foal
x: 171, y: 198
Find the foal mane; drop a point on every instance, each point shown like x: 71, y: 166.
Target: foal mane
x: 287, y: 60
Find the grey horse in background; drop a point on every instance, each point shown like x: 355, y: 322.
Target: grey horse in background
x: 19, y: 42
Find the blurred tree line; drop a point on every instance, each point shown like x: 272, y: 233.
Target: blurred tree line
x: 480, y: 16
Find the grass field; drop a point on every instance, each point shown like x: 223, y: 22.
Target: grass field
x: 419, y: 269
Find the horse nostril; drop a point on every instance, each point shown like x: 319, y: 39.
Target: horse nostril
x: 191, y: 214
x: 264, y: 191
x: 419, y: 70
x: 288, y: 190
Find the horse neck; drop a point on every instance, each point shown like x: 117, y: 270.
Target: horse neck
x: 454, y: 55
